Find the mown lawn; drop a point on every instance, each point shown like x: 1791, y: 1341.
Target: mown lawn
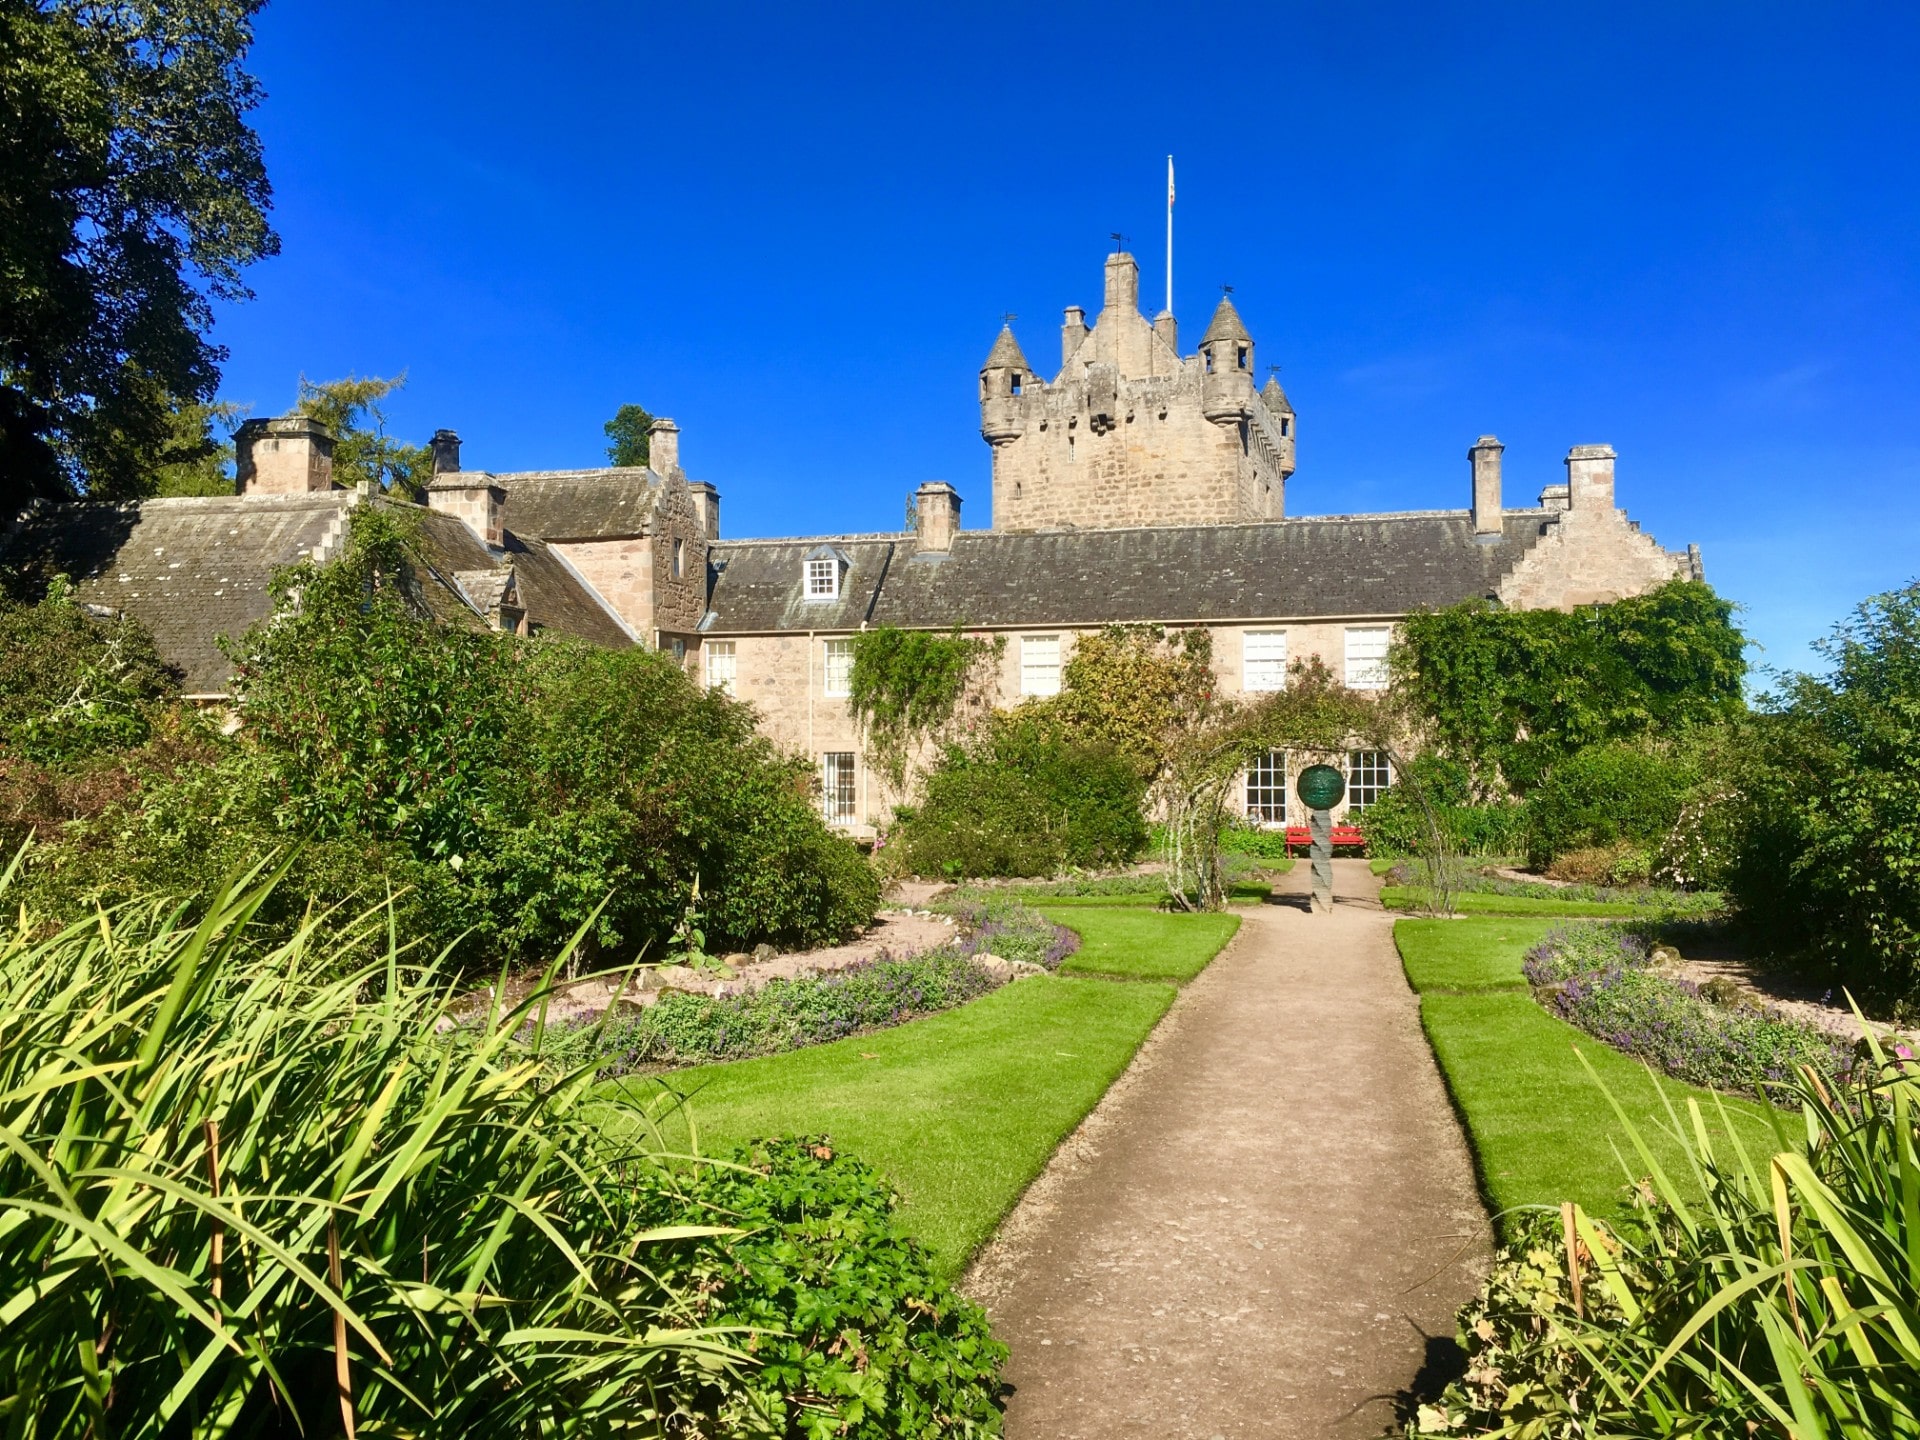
x: 1136, y: 944
x: 1246, y: 892
x: 1541, y: 1129
x: 1477, y: 902
x: 961, y: 1110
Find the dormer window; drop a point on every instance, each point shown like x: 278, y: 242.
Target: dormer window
x: 823, y: 579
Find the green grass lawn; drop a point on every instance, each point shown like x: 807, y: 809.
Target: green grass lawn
x: 1476, y: 902
x: 1541, y: 1130
x: 1137, y: 944
x: 961, y: 1110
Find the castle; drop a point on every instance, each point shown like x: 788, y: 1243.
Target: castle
x: 1138, y: 485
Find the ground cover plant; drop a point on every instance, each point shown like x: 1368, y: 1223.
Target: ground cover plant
x: 1140, y: 944
x: 1599, y: 977
x: 959, y: 1110
x: 1761, y: 1288
x: 1471, y: 890
x: 1541, y: 1131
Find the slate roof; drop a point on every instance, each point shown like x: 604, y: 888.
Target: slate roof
x: 191, y: 570
x: 1226, y: 324
x: 195, y: 569
x: 1303, y: 569
x: 1006, y: 352
x: 580, y: 504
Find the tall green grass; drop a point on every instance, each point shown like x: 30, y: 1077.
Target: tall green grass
x: 1783, y: 1300
x: 237, y: 1199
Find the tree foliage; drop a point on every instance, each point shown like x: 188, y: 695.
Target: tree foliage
x: 911, y: 688
x: 73, y: 685
x: 504, y: 788
x: 363, y: 451
x: 133, y: 195
x: 1511, y: 693
x: 1814, y: 808
x: 1140, y: 689
x: 627, y: 430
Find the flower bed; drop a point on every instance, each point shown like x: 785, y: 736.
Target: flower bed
x: 996, y: 922
x: 1599, y: 978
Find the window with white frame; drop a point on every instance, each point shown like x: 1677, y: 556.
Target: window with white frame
x: 1267, y: 789
x: 721, y: 661
x: 836, y: 786
x: 1039, y: 664
x: 1263, y: 660
x: 839, y: 673
x: 823, y: 578
x: 1367, y: 656
x: 1369, y: 776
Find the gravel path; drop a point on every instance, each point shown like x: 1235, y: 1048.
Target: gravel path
x: 1265, y: 1227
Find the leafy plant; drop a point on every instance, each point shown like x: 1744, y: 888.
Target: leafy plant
x: 853, y: 1336
x: 1137, y: 689
x: 1024, y: 797
x: 239, y: 1197
x: 73, y: 685
x: 1605, y: 795
x: 1512, y: 693
x: 909, y: 689
x: 363, y: 451
x: 1783, y: 1302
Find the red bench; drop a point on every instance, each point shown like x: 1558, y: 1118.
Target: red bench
x: 1342, y: 835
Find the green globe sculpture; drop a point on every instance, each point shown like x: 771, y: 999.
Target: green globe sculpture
x: 1320, y: 787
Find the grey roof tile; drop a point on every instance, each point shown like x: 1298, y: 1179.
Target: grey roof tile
x: 1321, y: 566
x: 580, y: 504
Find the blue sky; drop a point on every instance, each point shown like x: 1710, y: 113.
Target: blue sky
x: 1690, y: 230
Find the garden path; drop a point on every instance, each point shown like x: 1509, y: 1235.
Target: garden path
x: 1265, y: 1227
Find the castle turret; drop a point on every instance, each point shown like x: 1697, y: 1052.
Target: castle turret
x: 1226, y: 351
x: 1003, y: 382
x: 1281, y: 409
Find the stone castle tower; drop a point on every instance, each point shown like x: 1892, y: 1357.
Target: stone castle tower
x: 1131, y: 433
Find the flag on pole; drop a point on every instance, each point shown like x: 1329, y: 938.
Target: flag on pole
x: 1169, y: 180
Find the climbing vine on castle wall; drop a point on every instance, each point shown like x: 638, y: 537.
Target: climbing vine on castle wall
x: 911, y: 687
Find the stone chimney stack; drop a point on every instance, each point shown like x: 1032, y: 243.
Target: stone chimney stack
x: 706, y: 505
x: 446, y: 452
x: 663, y: 446
x: 1590, y: 477
x: 291, y: 455
x: 1488, y: 518
x: 1073, y: 334
x: 1168, y: 329
x: 936, y: 508
x: 472, y: 496
x: 1123, y: 283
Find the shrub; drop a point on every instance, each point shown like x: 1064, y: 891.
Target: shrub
x: 682, y: 1028
x: 1603, y: 796
x: 1618, y: 865
x: 854, y: 1336
x: 1816, y: 810
x: 1779, y: 1303
x: 1397, y: 823
x: 73, y: 685
x: 1025, y: 799
x: 1513, y: 694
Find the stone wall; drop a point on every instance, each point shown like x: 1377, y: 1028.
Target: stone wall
x: 635, y: 573
x: 1592, y: 553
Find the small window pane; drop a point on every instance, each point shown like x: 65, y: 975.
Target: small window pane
x: 839, y: 667
x: 1267, y: 789
x: 1040, y: 665
x: 823, y: 579
x: 1367, y: 656
x: 1263, y: 655
x: 720, y: 665
x: 1369, y: 776
x: 836, y: 783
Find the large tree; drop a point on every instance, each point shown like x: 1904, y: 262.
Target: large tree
x: 628, y: 431
x: 132, y: 195
x: 363, y: 450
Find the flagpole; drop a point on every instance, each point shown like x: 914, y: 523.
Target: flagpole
x: 1169, y: 234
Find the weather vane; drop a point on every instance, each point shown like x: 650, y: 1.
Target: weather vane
x: 1226, y: 289
x: 1008, y: 317
x: 1119, y: 241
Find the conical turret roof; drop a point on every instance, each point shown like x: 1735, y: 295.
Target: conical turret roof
x: 1275, y: 397
x: 1006, y: 352
x: 1226, y: 324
